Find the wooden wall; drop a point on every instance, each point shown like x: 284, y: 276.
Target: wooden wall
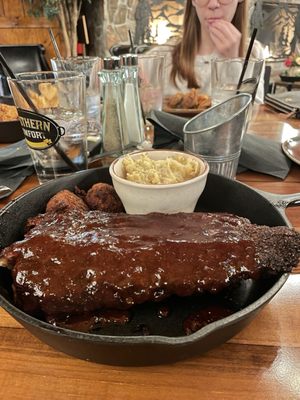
x: 18, y: 27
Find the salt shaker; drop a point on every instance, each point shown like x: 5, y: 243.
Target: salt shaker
x: 132, y: 104
x: 114, y: 125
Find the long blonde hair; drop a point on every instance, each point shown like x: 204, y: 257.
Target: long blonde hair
x: 185, y: 51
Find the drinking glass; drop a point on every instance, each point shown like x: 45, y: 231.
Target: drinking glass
x: 51, y: 109
x: 89, y: 66
x: 225, y: 75
x: 151, y: 80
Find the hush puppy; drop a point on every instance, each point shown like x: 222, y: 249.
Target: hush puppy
x: 103, y: 197
x: 65, y: 201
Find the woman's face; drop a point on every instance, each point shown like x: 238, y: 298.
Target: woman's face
x: 209, y: 11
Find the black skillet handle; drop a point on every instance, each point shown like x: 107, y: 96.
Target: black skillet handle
x: 282, y: 201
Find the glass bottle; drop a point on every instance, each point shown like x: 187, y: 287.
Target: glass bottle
x: 132, y: 104
x: 114, y: 125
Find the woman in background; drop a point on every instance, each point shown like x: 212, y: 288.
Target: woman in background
x: 211, y: 29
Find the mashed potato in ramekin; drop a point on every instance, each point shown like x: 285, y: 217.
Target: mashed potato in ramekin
x: 174, y: 169
x: 174, y: 181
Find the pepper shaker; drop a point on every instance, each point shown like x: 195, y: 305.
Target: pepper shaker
x: 114, y: 125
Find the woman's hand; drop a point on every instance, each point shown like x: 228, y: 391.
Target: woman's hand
x: 225, y: 37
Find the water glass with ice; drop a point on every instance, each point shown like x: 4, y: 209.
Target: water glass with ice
x: 51, y: 109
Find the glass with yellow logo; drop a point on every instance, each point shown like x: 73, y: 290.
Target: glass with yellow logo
x: 51, y: 109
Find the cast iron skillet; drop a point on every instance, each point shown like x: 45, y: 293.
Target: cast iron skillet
x: 127, y: 345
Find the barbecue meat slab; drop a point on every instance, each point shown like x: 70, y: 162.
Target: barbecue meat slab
x: 80, y: 262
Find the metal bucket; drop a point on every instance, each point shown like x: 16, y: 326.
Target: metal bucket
x: 216, y: 134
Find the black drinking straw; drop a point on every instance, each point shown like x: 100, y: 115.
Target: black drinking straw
x: 58, y: 149
x: 246, y: 60
x: 131, y: 41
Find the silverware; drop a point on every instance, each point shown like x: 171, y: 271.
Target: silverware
x: 4, y: 190
x: 291, y: 148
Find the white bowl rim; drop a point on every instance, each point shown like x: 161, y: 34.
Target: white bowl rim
x: 159, y: 186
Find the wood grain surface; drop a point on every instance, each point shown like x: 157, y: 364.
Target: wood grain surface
x: 19, y: 26
x: 261, y: 362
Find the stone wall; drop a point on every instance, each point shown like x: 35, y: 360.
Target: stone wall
x: 120, y: 16
x: 278, y: 22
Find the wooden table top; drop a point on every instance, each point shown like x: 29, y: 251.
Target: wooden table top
x: 261, y: 362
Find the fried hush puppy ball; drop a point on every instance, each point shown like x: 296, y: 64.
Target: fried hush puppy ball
x: 103, y: 197
x: 64, y: 201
